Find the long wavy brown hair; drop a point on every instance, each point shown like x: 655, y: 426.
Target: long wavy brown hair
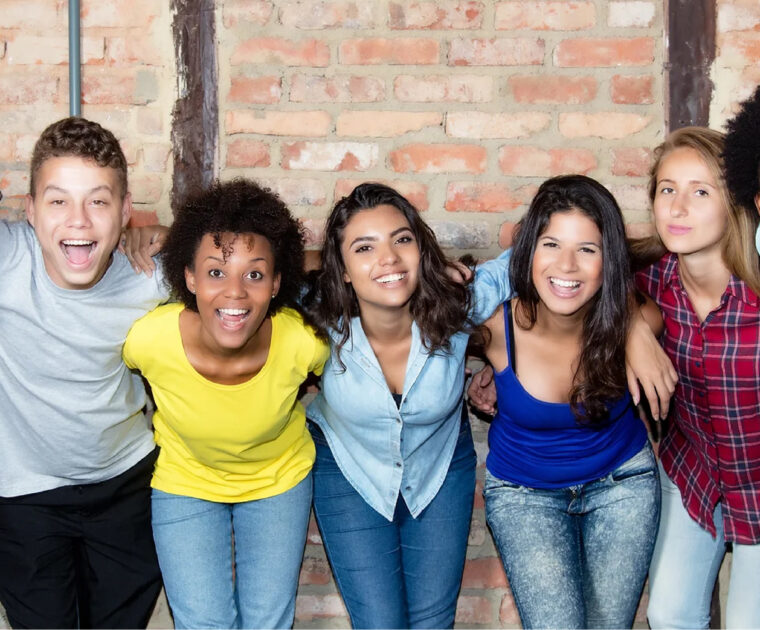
x: 439, y: 305
x: 599, y: 380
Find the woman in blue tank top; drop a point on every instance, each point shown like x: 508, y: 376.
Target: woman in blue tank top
x: 572, y: 495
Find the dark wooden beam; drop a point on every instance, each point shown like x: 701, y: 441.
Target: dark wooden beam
x: 195, y: 119
x: 691, y: 51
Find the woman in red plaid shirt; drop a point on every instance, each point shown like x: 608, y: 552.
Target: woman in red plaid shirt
x: 707, y: 287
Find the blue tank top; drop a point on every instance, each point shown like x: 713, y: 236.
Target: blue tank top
x: 539, y: 444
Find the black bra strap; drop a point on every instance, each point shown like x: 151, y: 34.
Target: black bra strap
x: 509, y: 325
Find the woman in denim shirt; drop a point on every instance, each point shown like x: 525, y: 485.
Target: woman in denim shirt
x: 395, y: 471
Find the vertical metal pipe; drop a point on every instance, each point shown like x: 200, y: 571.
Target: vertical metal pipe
x: 75, y: 78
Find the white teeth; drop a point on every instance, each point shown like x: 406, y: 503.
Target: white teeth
x: 233, y: 311
x: 77, y: 242
x: 567, y: 284
x: 392, y: 277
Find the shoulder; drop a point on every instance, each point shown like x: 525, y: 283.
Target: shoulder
x: 156, y: 322
x: 655, y: 278
x: 296, y: 336
x: 15, y: 237
x: 291, y: 323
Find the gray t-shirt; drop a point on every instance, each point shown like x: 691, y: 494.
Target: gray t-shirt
x: 70, y: 410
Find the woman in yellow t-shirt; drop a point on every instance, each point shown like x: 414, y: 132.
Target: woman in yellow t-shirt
x: 225, y: 366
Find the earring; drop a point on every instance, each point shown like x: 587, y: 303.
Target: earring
x: 757, y: 239
x: 274, y: 295
x: 192, y: 291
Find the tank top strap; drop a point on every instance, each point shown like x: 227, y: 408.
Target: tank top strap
x: 509, y: 334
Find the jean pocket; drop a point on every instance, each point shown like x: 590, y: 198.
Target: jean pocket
x: 641, y: 465
x: 493, y: 484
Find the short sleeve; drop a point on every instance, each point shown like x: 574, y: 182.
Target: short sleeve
x: 648, y: 281
x: 132, y: 352
x: 321, y: 353
x: 490, y: 287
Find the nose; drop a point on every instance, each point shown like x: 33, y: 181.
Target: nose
x: 568, y: 260
x: 388, y: 254
x: 235, y: 288
x: 679, y: 205
x: 79, y: 216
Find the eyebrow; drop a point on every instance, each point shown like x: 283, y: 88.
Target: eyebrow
x: 65, y: 191
x: 364, y: 239
x: 691, y: 181
x: 223, y: 261
x: 556, y: 240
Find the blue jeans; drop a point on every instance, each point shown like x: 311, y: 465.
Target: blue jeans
x: 577, y: 557
x: 194, y: 541
x: 404, y: 573
x: 685, y: 566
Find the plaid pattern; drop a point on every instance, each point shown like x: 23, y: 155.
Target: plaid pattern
x: 711, y: 449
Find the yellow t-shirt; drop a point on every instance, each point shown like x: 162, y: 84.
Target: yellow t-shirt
x: 227, y: 443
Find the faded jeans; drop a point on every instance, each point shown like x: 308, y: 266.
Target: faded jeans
x: 577, y: 557
x: 685, y: 566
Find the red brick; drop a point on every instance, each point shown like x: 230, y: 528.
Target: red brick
x: 29, y: 88
x: 443, y: 14
x: 139, y: 13
x: 631, y: 161
x: 110, y: 86
x: 310, y: 607
x: 471, y: 609
x: 146, y: 188
x: 742, y: 48
x: 22, y: 49
x: 551, y: 90
x: 252, y: 11
x: 379, y: 50
x: 506, y: 232
x: 478, y: 502
x: 384, y: 124
x: 314, y: 571
x: 329, y: 156
x: 444, y: 88
x: 484, y: 573
x: 632, y: 198
x: 501, y: 125
x: 508, y: 614
x: 261, y: 90
x: 142, y: 218
x: 44, y: 16
x: 274, y: 123
x: 312, y: 536
x: 608, y: 125
x: 22, y: 150
x: 150, y: 121
x: 156, y: 156
x: 7, y: 151
x: 14, y: 183
x: 485, y: 197
x: 478, y: 532
x: 439, y: 158
x: 247, y: 153
x: 307, y: 88
x: 603, y: 53
x: 556, y: 16
x: 517, y: 51
x: 281, y: 52
x: 318, y: 14
x: 627, y: 90
x: 526, y: 161
x: 415, y: 192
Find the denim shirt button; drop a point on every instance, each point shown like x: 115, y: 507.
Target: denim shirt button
x: 398, y: 464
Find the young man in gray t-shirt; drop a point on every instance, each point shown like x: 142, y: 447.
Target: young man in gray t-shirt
x: 77, y: 453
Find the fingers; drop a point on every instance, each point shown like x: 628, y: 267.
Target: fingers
x: 633, y: 384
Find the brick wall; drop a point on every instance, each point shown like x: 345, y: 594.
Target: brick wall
x: 465, y: 106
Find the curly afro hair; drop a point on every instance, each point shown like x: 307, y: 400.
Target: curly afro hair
x: 742, y: 152
x: 239, y: 206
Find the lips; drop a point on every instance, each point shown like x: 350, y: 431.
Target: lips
x: 678, y: 230
x: 232, y: 318
x: 563, y: 287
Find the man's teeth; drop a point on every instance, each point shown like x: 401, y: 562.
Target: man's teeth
x: 233, y: 311
x: 393, y: 277
x: 77, y: 242
x: 567, y: 284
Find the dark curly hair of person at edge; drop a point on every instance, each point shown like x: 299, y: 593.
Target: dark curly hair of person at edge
x: 741, y: 155
x: 239, y: 206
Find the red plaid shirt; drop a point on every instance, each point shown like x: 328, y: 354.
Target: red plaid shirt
x: 711, y: 450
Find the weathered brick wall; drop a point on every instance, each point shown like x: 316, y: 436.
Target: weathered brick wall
x: 465, y: 106
x: 128, y: 85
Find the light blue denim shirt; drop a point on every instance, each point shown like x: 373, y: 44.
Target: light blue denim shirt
x: 381, y: 450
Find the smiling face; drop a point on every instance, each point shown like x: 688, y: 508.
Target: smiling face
x: 78, y: 211
x: 381, y: 258
x: 567, y: 263
x: 233, y: 285
x: 689, y: 211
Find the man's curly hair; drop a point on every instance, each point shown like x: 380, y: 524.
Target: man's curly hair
x: 239, y: 206
x: 741, y: 155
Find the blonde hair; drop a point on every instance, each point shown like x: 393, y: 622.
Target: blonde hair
x: 737, y: 244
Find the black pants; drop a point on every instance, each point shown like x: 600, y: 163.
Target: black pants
x: 81, y: 556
